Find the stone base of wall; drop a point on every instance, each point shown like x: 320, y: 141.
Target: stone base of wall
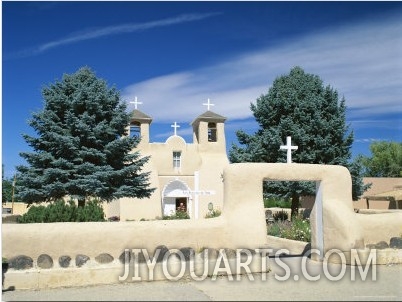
x: 293, y: 246
x: 174, y: 268
x: 374, y: 256
x: 385, y: 254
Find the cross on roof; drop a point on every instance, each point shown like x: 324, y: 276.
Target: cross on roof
x: 175, y: 126
x: 209, y: 104
x: 289, y: 149
x: 136, y: 103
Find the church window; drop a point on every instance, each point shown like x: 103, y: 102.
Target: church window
x: 176, y: 159
x: 212, y: 132
x: 135, y: 129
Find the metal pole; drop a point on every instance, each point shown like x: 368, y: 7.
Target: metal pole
x: 12, y: 196
x: 196, y: 189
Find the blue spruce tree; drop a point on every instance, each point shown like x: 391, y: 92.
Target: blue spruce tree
x: 298, y: 105
x: 81, y: 149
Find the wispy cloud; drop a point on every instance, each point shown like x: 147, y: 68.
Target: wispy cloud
x: 368, y: 140
x: 375, y: 123
x: 363, y: 62
x: 184, y: 130
x: 112, y: 30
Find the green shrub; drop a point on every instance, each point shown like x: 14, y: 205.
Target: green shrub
x: 281, y: 215
x: 177, y: 215
x: 276, y: 202
x: 298, y: 229
x: 274, y: 230
x: 61, y: 211
x: 213, y: 213
x: 92, y: 211
x: 35, y: 214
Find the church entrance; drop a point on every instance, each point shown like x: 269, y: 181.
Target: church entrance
x: 181, y: 204
x: 175, y: 198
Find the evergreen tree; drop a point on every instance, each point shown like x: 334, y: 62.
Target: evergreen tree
x: 298, y: 105
x: 6, y: 188
x: 81, y: 149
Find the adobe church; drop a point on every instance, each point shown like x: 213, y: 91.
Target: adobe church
x: 184, y: 174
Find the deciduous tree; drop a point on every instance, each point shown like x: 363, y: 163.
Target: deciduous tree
x: 385, y: 161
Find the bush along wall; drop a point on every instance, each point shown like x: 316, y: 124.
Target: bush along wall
x: 61, y: 211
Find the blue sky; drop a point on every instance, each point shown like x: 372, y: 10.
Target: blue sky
x: 175, y: 55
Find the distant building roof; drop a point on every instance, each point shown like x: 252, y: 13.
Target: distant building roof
x: 394, y: 194
x: 139, y: 116
x: 210, y: 117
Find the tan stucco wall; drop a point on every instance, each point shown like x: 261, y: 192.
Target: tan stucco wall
x: 241, y: 225
x: 202, y: 164
x: 208, y: 159
x: 161, y: 156
x: 380, y: 226
x: 246, y: 199
x: 201, y: 138
x: 94, y: 238
x: 379, y: 185
x: 18, y: 208
x: 343, y: 229
x: 211, y: 178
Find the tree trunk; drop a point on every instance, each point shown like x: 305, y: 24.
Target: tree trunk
x: 295, y: 205
x: 81, y: 203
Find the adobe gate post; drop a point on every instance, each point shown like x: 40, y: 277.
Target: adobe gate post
x: 243, y: 206
x: 333, y: 223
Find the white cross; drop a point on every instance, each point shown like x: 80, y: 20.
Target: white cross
x: 175, y: 126
x: 289, y: 149
x: 209, y: 104
x: 136, y: 103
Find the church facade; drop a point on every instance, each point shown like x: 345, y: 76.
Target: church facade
x: 185, y: 175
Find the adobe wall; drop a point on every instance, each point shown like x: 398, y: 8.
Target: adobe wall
x: 241, y: 225
x: 19, y: 208
x: 379, y: 185
x: 94, y: 238
x: 341, y: 227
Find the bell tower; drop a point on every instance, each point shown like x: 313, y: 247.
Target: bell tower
x: 139, y: 124
x: 209, y: 131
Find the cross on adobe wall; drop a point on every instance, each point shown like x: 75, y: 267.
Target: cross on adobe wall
x: 288, y: 147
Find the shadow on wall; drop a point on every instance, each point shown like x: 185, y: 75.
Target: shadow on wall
x: 10, y: 218
x: 5, y: 269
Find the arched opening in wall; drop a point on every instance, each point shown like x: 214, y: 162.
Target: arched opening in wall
x: 212, y: 132
x: 279, y: 198
x: 135, y: 129
x: 176, y: 197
